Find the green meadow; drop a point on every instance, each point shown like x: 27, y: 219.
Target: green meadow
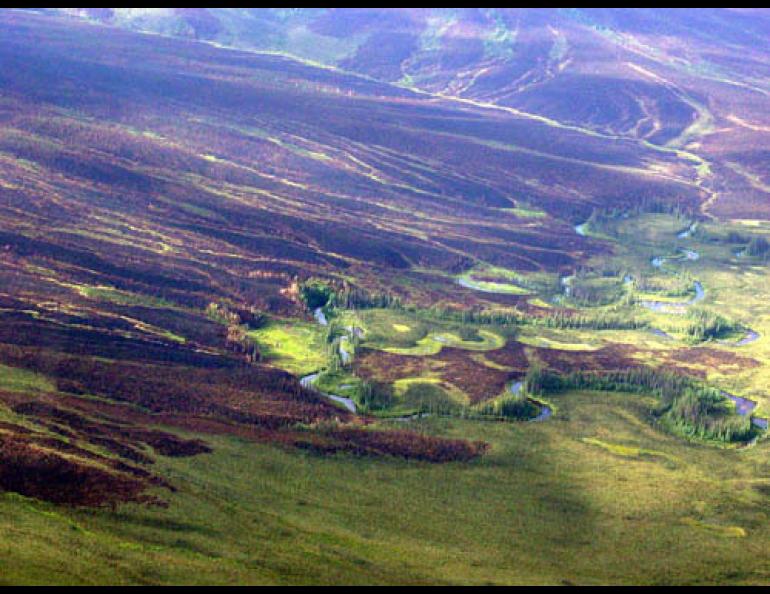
x: 560, y: 502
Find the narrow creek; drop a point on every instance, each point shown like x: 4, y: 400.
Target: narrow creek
x: 308, y: 380
x: 676, y: 307
x: 688, y: 232
x: 320, y: 316
x: 659, y: 261
x: 744, y: 407
x: 661, y: 333
x: 750, y: 337
x: 700, y: 293
x: 545, y: 410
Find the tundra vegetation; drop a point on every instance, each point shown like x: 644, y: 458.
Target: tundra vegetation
x: 358, y: 318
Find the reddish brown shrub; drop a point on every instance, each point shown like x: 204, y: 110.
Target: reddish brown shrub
x: 35, y: 472
x: 402, y: 444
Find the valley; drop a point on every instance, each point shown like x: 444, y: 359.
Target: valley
x: 285, y: 300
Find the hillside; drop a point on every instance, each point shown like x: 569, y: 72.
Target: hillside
x: 690, y: 80
x: 419, y: 296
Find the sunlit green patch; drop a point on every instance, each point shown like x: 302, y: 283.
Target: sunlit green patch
x: 120, y: 297
x: 655, y: 229
x: 628, y: 451
x: 559, y: 340
x: 480, y: 358
x: 14, y: 379
x: 406, y: 333
x: 340, y: 383
x: 751, y: 222
x: 162, y: 332
x: 726, y: 531
x: 192, y: 209
x: 296, y: 346
x: 435, y: 341
x: 528, y: 213
x: 379, y: 327
x: 424, y: 347
x: 548, y: 343
x: 538, y: 302
x: 660, y: 298
x: 421, y: 394
x: 509, y: 283
x: 493, y: 287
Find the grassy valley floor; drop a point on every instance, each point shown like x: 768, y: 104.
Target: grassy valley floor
x: 596, y: 495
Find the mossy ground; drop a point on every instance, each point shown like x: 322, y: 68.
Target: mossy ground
x: 293, y: 345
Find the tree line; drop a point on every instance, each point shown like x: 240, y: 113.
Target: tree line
x: 687, y: 405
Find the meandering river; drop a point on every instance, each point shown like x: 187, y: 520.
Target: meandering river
x: 744, y: 406
x: 345, y: 356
